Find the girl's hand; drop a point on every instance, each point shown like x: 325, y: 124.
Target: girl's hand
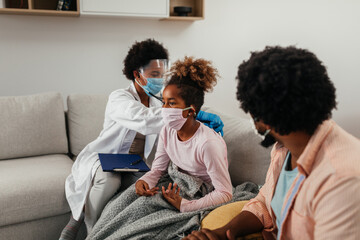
x: 142, y: 189
x: 172, y: 195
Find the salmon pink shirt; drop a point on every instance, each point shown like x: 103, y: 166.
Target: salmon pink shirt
x: 323, y: 202
x: 204, y: 155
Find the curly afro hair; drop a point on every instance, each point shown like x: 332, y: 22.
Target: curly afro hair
x: 141, y: 53
x: 287, y: 88
x: 193, y: 78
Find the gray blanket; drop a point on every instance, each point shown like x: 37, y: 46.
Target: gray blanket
x: 128, y: 216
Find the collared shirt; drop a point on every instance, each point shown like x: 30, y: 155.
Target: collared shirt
x: 323, y: 201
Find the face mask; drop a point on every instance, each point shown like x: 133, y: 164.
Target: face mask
x: 173, y: 117
x: 252, y: 123
x: 267, y: 139
x: 153, y: 86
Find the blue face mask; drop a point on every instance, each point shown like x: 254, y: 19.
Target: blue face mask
x: 153, y: 86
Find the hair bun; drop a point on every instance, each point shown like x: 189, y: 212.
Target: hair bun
x: 200, y: 71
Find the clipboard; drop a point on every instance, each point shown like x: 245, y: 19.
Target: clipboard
x: 118, y: 162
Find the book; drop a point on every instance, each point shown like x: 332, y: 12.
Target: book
x: 118, y: 162
x: 60, y: 5
x: 66, y: 5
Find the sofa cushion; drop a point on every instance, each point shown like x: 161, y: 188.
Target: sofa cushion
x: 220, y: 216
x: 33, y: 188
x: 32, y: 125
x: 85, y: 119
x: 248, y: 160
x: 39, y: 229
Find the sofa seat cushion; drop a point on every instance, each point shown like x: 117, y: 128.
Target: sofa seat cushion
x: 33, y: 188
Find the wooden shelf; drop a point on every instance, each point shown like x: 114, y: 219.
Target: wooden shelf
x: 196, y: 14
x: 39, y: 12
x: 43, y: 8
x: 177, y: 18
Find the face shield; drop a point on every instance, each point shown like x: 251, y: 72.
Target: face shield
x: 154, y: 73
x: 156, y: 68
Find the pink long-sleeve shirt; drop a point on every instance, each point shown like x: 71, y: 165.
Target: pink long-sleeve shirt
x: 324, y: 199
x: 204, y: 155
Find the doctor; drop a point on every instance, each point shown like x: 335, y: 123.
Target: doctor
x: 132, y: 123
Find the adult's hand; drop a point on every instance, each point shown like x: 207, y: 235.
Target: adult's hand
x: 172, y: 195
x: 142, y: 189
x: 212, y: 121
x: 206, y: 234
x: 243, y: 224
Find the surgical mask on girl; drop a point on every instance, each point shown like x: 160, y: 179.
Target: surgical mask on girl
x: 173, y: 117
x: 153, y: 86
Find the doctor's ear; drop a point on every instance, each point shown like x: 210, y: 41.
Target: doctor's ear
x: 136, y: 74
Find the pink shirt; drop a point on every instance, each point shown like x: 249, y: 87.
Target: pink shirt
x: 324, y: 199
x: 204, y: 155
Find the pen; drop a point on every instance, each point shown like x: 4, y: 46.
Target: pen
x: 136, y: 162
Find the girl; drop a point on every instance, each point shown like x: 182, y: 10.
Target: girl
x: 191, y: 146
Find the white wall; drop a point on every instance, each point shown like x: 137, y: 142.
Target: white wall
x: 84, y: 55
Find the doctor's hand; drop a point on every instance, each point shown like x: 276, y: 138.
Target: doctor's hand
x: 212, y: 121
x: 172, y: 195
x: 142, y: 189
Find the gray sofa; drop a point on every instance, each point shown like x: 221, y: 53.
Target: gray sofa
x: 38, y: 143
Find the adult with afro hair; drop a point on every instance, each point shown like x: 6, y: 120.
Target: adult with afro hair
x: 132, y: 123
x: 312, y: 188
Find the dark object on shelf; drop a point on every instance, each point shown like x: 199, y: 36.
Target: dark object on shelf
x: 182, y: 11
x: 16, y: 4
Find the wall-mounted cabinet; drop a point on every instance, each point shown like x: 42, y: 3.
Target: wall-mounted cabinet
x: 160, y: 9
x: 128, y: 8
x: 40, y: 7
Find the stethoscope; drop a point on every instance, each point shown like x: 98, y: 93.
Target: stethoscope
x: 158, y: 98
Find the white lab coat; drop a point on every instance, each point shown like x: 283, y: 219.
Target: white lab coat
x: 125, y: 115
